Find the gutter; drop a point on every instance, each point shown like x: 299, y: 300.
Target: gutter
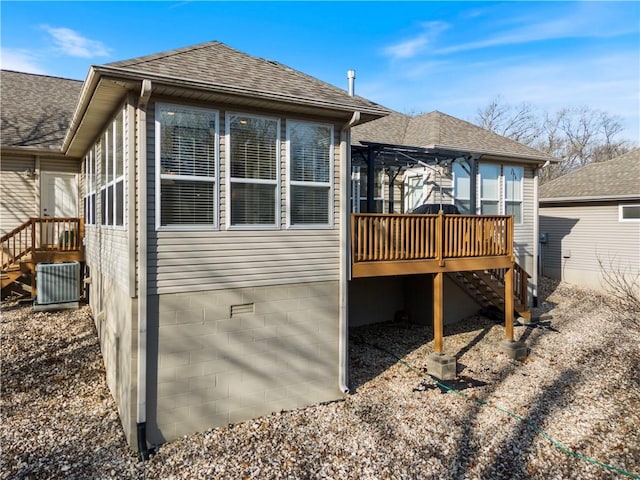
x: 141, y: 384
x: 591, y: 198
x: 345, y: 248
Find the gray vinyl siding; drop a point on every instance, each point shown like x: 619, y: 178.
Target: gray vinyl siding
x: 63, y: 165
x: 200, y: 260
x: 579, y: 234
x: 523, y: 233
x: 17, y: 193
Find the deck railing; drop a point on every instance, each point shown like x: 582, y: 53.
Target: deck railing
x: 48, y: 234
x: 390, y: 237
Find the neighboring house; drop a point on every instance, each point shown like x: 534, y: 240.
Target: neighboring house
x: 37, y: 178
x: 590, y: 223
x: 219, y: 247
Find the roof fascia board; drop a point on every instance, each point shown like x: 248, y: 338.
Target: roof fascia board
x: 88, y: 89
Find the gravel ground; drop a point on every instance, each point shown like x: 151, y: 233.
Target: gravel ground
x: 580, y: 385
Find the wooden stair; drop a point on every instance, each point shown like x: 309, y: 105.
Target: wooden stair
x: 487, y: 289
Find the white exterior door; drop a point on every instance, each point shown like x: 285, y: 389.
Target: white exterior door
x: 58, y: 194
x: 414, y: 191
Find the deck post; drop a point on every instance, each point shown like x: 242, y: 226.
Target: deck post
x: 438, y: 307
x: 440, y: 365
x: 508, y: 303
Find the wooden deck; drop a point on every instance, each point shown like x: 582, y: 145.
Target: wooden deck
x: 389, y: 244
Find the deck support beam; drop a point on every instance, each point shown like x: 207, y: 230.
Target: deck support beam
x: 438, y: 311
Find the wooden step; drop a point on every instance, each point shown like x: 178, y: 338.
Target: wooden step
x: 10, y: 276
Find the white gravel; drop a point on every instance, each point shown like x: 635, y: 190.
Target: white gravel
x: 581, y: 385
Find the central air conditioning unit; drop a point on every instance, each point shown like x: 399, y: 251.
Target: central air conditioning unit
x: 58, y: 286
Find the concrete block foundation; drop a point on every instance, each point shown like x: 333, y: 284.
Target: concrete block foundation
x: 514, y: 349
x: 442, y: 366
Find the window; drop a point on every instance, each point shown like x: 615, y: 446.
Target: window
x: 629, y: 213
x: 513, y: 192
x: 310, y: 167
x: 489, y: 189
x: 90, y: 188
x: 462, y: 188
x: 378, y: 190
x: 253, y: 171
x: 186, y: 165
x: 112, y: 173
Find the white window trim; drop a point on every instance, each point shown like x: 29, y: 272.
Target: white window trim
x: 627, y: 220
x: 331, y: 217
x: 89, y: 160
x: 122, y: 178
x: 229, y: 179
x: 159, y: 177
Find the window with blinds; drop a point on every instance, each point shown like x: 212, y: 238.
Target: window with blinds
x: 310, y: 167
x: 186, y: 164
x: 513, y: 179
x: 489, y: 189
x: 254, y: 174
x: 462, y: 188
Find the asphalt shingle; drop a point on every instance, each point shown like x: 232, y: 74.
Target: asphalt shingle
x: 216, y: 64
x: 36, y: 109
x: 619, y: 177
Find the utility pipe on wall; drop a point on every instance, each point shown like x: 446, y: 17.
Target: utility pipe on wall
x: 141, y: 405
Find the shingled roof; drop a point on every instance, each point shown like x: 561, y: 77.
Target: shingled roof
x: 219, y: 66
x: 437, y: 129
x: 36, y: 109
x: 615, y: 179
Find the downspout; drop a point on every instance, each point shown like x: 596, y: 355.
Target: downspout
x: 141, y: 406
x: 345, y: 247
x: 345, y: 242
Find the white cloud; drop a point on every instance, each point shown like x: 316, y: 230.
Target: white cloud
x: 20, y: 61
x: 410, y: 48
x: 585, y: 21
x: 73, y: 44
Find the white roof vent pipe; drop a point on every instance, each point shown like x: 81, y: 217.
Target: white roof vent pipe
x: 351, y: 75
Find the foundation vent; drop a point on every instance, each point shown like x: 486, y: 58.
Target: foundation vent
x: 243, y: 309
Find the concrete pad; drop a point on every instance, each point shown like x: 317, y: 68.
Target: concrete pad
x: 442, y: 366
x: 514, y: 349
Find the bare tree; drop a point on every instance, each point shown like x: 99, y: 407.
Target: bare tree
x: 578, y: 136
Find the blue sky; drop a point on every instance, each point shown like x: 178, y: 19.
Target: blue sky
x: 412, y: 57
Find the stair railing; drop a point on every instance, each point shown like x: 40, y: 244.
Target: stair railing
x: 64, y: 234
x: 16, y: 243
x: 520, y: 282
